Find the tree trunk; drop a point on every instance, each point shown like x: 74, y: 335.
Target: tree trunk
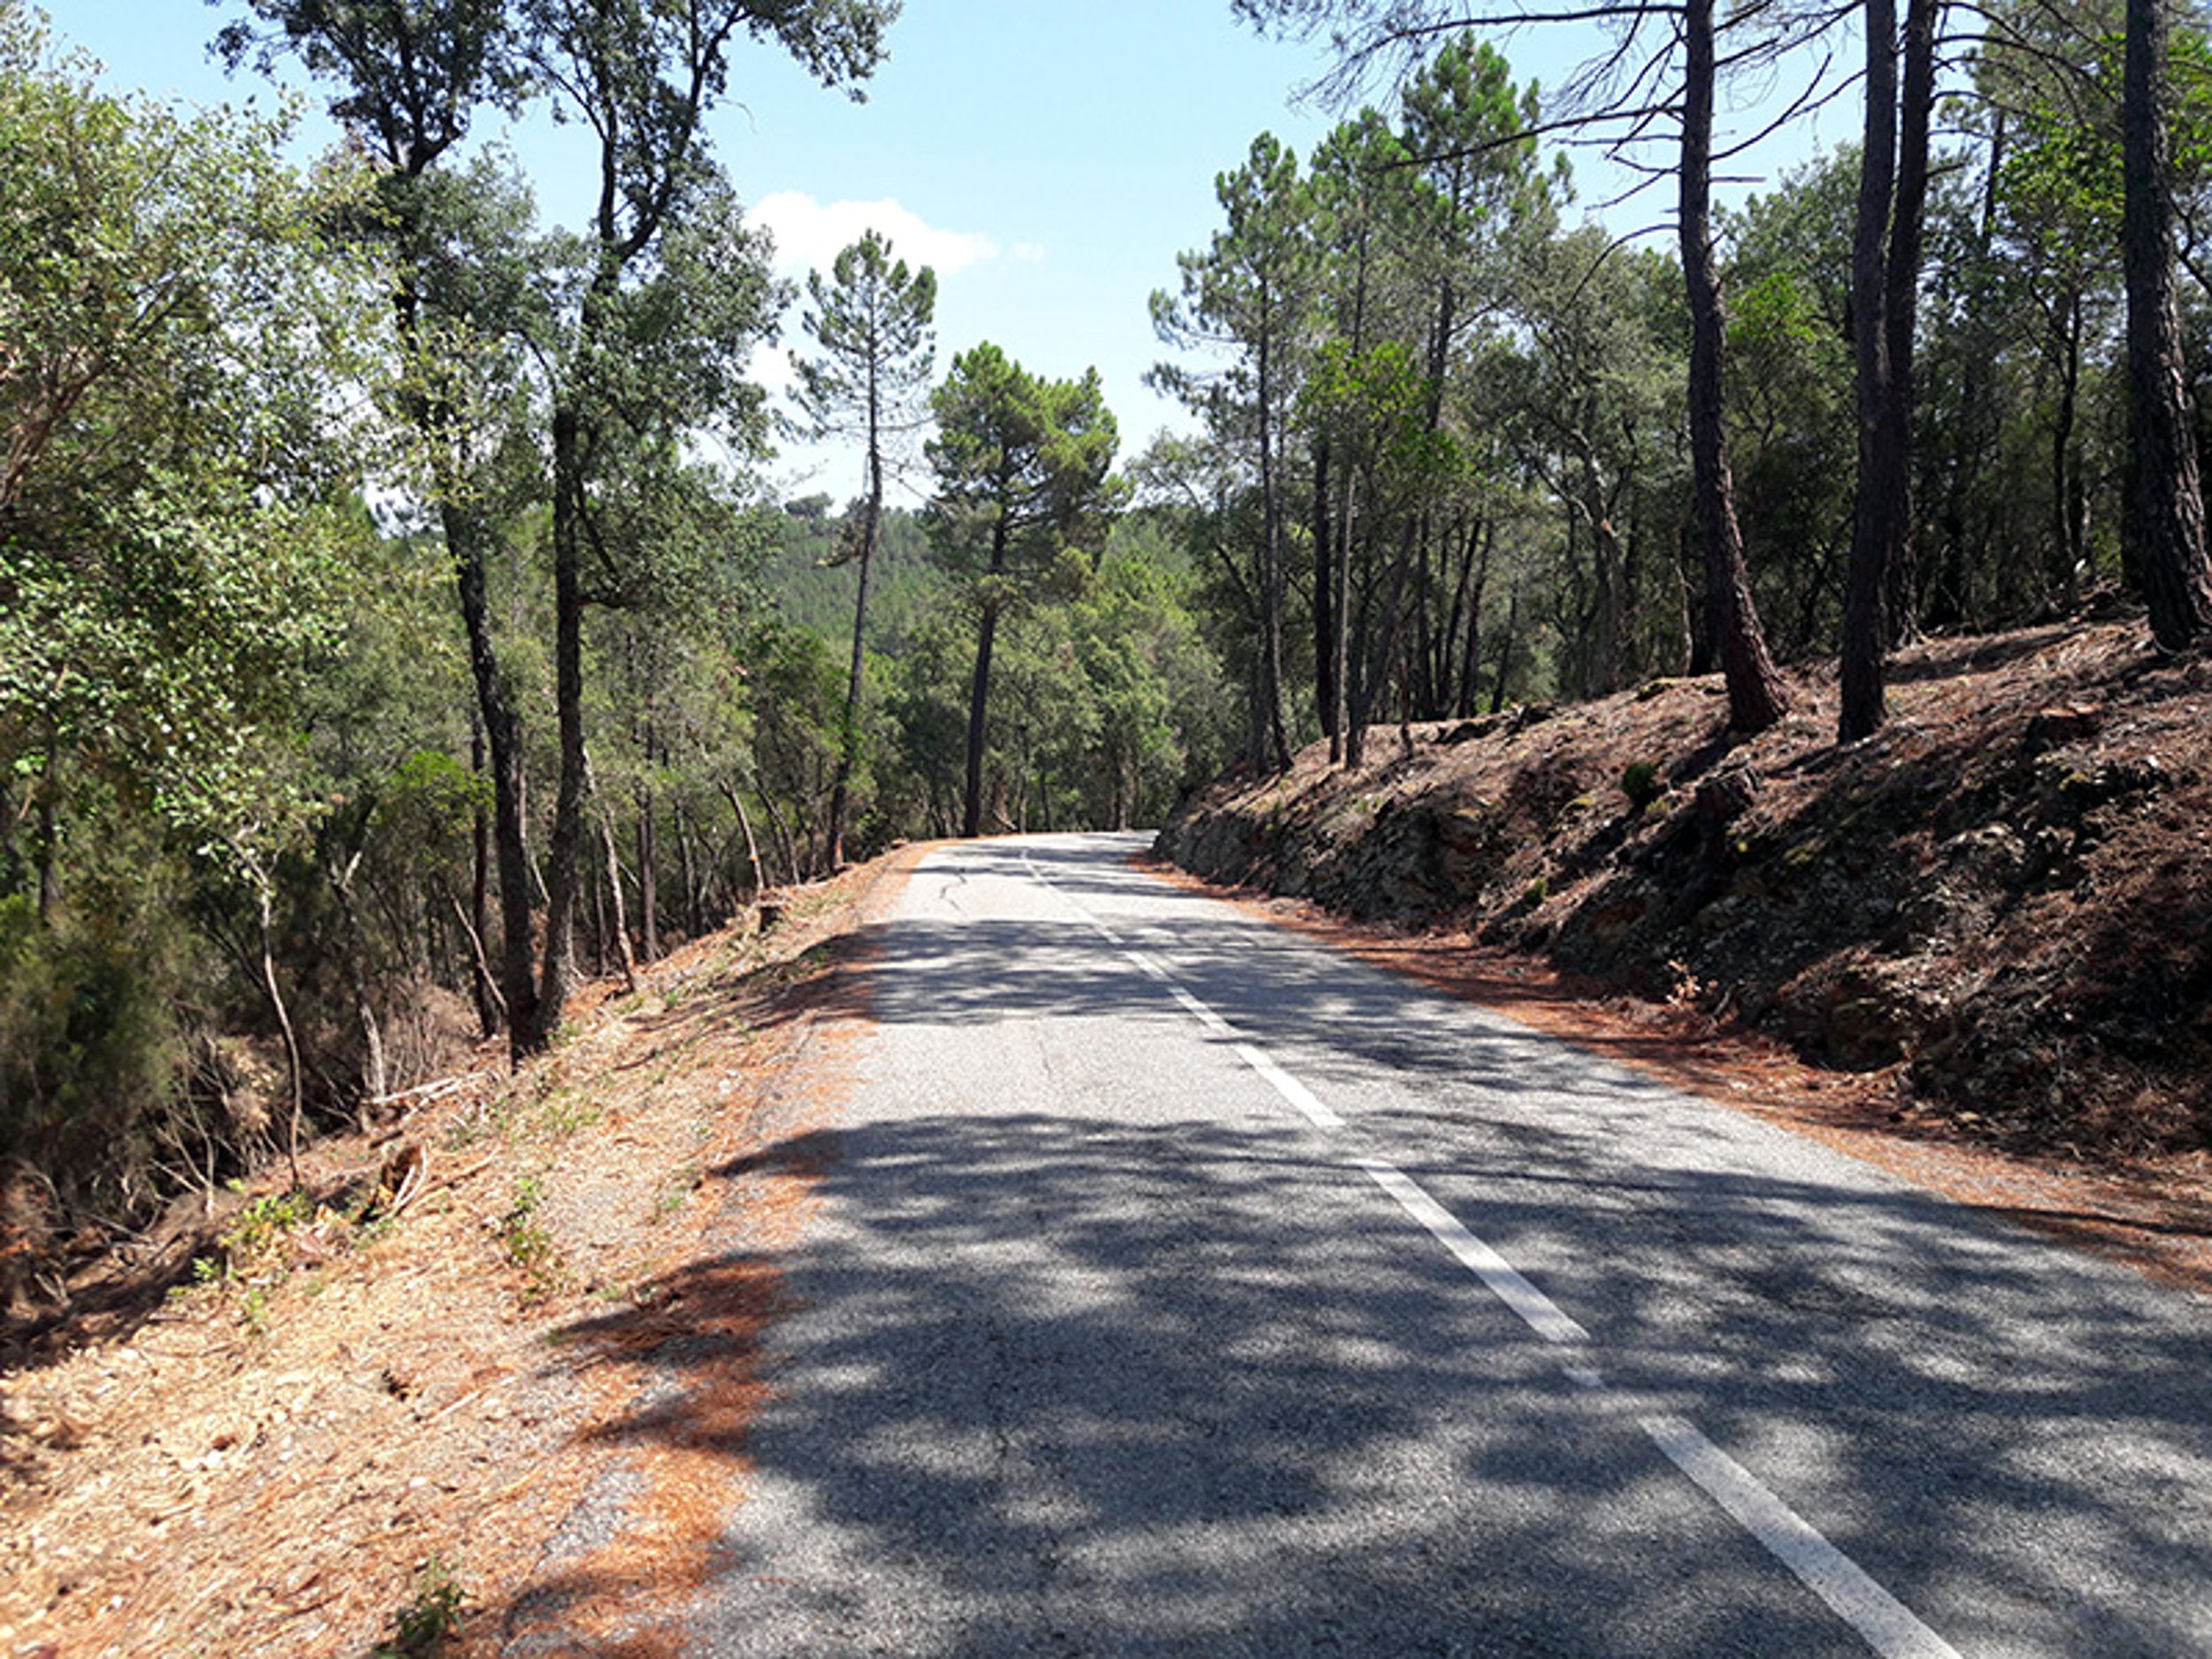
x: 1468, y: 692
x: 848, y: 729
x: 745, y: 827
x: 617, y: 923
x: 1323, y: 608
x: 297, y: 1120
x: 1975, y: 418
x: 602, y: 953
x: 1865, y: 630
x: 2165, y: 518
x: 1505, y: 648
x: 563, y: 866
x: 1271, y: 585
x: 1610, y: 563
x: 1901, y: 315
x: 374, y: 1082
x: 649, y: 877
x: 465, y: 539
x: 785, y: 844
x: 693, y: 878
x: 980, y: 689
x: 979, y: 695
x: 487, y: 985
x: 1756, y: 699
x: 1386, y: 657
x: 2067, y: 528
x: 491, y: 1005
x: 1340, y: 632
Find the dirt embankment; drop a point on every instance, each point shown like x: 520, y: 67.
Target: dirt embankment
x: 2002, y: 905
x: 484, y: 1386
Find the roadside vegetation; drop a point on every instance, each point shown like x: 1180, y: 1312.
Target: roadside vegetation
x: 354, y: 1416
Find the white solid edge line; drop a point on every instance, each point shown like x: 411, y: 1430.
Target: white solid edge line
x: 1290, y: 1088
x: 1539, y: 1311
x: 1888, y: 1625
x: 1147, y: 964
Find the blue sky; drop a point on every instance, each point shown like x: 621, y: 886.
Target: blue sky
x: 1049, y: 157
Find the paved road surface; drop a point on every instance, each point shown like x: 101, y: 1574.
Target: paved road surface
x: 1183, y: 1286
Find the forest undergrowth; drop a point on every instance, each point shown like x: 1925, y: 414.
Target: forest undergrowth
x: 399, y: 1411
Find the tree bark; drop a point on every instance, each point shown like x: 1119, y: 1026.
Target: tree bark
x: 491, y: 1004
x: 688, y: 873
x: 465, y: 541
x: 745, y: 827
x: 849, y: 730
x: 618, y: 924
x: 980, y: 689
x: 1865, y: 629
x: 1901, y: 315
x: 1472, y: 666
x: 374, y: 1082
x: 557, y: 973
x: 1505, y: 648
x: 793, y: 875
x: 2066, y: 526
x: 2165, y: 501
x: 1271, y: 584
x: 1323, y: 608
x: 295, y: 1122
x: 978, y: 696
x: 648, y: 881
x: 1756, y: 698
x: 1341, y: 633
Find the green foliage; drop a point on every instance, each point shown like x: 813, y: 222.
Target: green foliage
x: 178, y: 546
x: 528, y: 1244
x: 872, y: 321
x: 422, y: 1628
x: 90, y: 1045
x: 430, y: 799
x: 173, y: 539
x: 1021, y: 468
x: 261, y: 1226
x: 811, y: 579
x: 1641, y: 783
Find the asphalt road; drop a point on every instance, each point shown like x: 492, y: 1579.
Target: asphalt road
x: 1184, y: 1286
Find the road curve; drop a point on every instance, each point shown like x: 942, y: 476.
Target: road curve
x: 1183, y: 1286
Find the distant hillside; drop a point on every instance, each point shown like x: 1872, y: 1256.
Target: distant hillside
x: 2004, y: 896
x: 814, y: 578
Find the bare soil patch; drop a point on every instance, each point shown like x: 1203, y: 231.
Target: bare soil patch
x: 511, y: 1405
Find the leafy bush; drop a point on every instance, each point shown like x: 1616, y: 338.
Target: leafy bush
x: 1641, y: 784
x: 421, y: 1629
x: 89, y: 1042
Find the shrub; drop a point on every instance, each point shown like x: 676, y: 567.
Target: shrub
x: 1641, y: 784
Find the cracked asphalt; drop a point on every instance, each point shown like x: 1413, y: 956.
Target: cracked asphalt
x: 1183, y: 1286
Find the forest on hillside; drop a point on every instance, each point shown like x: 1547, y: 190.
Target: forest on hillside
x: 394, y: 626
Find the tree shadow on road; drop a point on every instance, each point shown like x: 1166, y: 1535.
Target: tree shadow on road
x: 1053, y: 1385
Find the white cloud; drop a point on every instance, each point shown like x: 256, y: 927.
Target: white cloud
x: 1028, y: 252
x: 809, y: 235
